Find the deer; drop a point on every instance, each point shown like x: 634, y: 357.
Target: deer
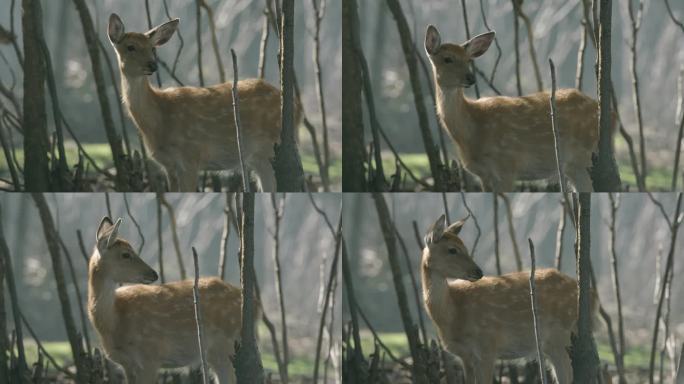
x: 190, y: 129
x: 502, y: 139
x: 483, y: 318
x: 145, y: 327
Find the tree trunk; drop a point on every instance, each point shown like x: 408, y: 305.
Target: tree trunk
x: 410, y: 55
x: 585, y: 362
x: 353, y: 150
x: 248, y: 366
x: 604, y: 173
x: 91, y: 36
x: 287, y: 163
x: 4, y: 343
x: 36, y: 142
x: 418, y: 368
x: 52, y: 239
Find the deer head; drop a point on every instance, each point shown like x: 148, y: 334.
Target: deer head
x: 451, y: 62
x: 446, y: 254
x: 136, y: 50
x: 117, y: 260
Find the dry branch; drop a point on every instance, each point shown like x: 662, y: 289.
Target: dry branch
x: 174, y: 233
x: 535, y: 316
x: 517, y: 8
x: 278, y: 212
x: 619, y: 358
x: 556, y: 135
x: 678, y: 114
x: 198, y: 318
x: 511, y: 231
x: 635, y: 23
x: 319, y: 13
x: 236, y: 114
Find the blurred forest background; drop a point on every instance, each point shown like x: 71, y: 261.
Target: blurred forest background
x: 239, y: 25
x: 306, y: 255
x: 556, y: 27
x: 642, y: 245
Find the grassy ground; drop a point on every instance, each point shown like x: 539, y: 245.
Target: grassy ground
x: 101, y: 153
x: 657, y: 179
x: 636, y: 358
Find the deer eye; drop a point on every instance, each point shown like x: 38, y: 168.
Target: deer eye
x: 126, y: 255
x: 448, y: 60
x: 453, y: 251
x: 131, y: 48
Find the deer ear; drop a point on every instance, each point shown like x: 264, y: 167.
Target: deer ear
x: 432, y: 40
x: 116, y: 29
x: 435, y: 232
x: 455, y: 228
x: 111, y: 239
x: 104, y: 228
x: 162, y: 33
x: 479, y: 44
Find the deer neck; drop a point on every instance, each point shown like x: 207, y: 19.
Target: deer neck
x: 436, y: 295
x: 141, y: 100
x: 453, y: 109
x: 101, y: 297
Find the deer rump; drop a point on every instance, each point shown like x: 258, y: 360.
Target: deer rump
x: 160, y: 321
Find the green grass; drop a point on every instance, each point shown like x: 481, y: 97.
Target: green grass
x: 61, y: 352
x: 636, y: 357
x: 101, y: 153
x: 657, y: 179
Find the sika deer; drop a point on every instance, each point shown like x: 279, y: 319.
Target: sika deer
x: 503, y: 139
x: 189, y: 129
x: 481, y: 319
x: 144, y: 327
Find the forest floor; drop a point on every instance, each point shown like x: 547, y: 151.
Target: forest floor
x: 101, y: 154
x: 636, y: 359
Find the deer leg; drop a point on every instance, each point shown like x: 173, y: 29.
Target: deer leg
x: 485, y: 371
x: 264, y: 169
x: 561, y: 364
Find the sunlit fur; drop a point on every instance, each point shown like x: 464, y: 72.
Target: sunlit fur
x: 484, y: 319
x: 190, y: 129
x: 146, y: 327
x: 503, y: 139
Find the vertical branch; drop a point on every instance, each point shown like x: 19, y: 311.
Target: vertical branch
x: 198, y: 34
x: 559, y: 235
x: 556, y: 135
x: 160, y: 242
x: 679, y: 114
x: 149, y: 26
x: 535, y: 315
x: 581, y: 52
x: 511, y: 231
x: 419, y: 373
x: 446, y: 207
x: 225, y: 235
x: 52, y: 239
x: 135, y: 223
x: 90, y: 35
x: 4, y: 342
x: 585, y: 361
x: 353, y: 163
x: 357, y: 373
x: 278, y: 212
x: 79, y: 297
x: 198, y: 318
x: 496, y: 233
x: 635, y: 22
x: 477, y: 225
x: 36, y: 142
x: 604, y: 174
x: 673, y: 225
x: 517, y: 8
x: 174, y: 234
x: 248, y: 366
x: 319, y: 12
x: 328, y: 290
x: 516, y: 46
x: 236, y: 114
x: 214, y: 40
x: 287, y: 163
x: 6, y: 261
x: 265, y: 32
x: 407, y: 46
x: 619, y: 359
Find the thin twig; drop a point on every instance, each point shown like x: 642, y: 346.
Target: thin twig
x: 556, y: 135
x: 236, y: 114
x: 214, y: 41
x: 619, y: 359
x: 477, y: 226
x: 278, y: 213
x: 635, y: 22
x: 511, y: 231
x: 535, y: 315
x: 135, y: 223
x: 198, y: 318
x: 174, y: 234
x: 517, y: 7
x: 679, y: 114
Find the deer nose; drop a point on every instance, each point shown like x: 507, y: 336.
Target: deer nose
x: 152, y: 65
x: 470, y: 78
x: 477, y: 274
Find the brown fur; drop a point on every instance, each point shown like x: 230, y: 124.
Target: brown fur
x: 484, y: 319
x: 145, y: 327
x: 190, y: 129
x: 503, y: 139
